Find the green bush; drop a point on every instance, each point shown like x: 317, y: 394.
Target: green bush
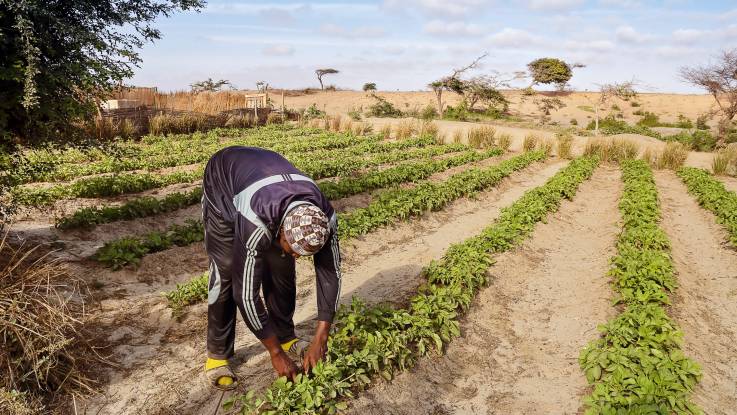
x: 313, y: 112
x: 383, y: 108
x: 612, y: 126
x: 369, y: 86
x: 429, y: 113
x: 649, y: 119
x: 701, y: 122
x: 684, y: 122
x: 699, y: 140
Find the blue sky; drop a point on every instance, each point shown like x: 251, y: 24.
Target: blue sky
x: 404, y: 44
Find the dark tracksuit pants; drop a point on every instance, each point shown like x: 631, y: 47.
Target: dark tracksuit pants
x: 278, y: 286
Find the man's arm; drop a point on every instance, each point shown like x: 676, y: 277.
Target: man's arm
x: 327, y: 269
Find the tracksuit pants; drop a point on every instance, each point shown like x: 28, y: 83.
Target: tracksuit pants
x: 278, y: 286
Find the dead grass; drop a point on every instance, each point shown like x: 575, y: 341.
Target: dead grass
x: 725, y: 161
x: 482, y: 137
x: 612, y: 150
x: 504, y: 141
x: 546, y: 146
x: 530, y: 142
x: 43, y: 349
x: 564, y: 146
x: 457, y: 137
x: 672, y: 156
x: 404, y: 129
x: 386, y: 131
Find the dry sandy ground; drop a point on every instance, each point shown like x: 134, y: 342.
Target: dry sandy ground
x: 667, y: 106
x: 705, y: 304
x: 522, y: 336
x: 381, y: 266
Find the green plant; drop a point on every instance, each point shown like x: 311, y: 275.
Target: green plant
x: 313, y: 112
x: 429, y: 113
x: 379, y: 340
x: 637, y: 365
x: 649, y: 119
x: 550, y: 71
x: 354, y: 114
x: 383, y: 108
x: 684, y: 122
x: 634, y: 104
x: 713, y: 196
x: 191, y: 292
x: 612, y: 126
x: 672, y: 156
x: 369, y: 86
x: 701, y: 122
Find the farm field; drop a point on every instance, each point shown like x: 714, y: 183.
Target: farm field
x: 475, y: 274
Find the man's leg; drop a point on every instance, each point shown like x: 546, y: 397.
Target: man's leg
x: 221, y: 309
x: 280, y: 293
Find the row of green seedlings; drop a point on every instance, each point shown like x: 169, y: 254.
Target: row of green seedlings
x: 334, y: 189
x: 380, y: 340
x: 183, y: 153
x: 637, y: 365
x: 395, y: 205
x: 52, y: 155
x: 712, y: 195
x: 317, y: 163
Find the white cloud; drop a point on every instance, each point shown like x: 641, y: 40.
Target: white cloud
x: 440, y: 8
x: 690, y: 35
x: 457, y: 28
x: 628, y: 34
x: 591, y: 45
x: 556, y: 5
x: 621, y: 3
x: 512, y: 38
x: 330, y: 29
x: 278, y: 50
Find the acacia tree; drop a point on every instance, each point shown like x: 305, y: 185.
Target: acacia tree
x: 322, y: 72
x: 607, y: 92
x: 720, y: 80
x: 57, y: 58
x: 451, y: 82
x: 208, y: 85
x: 551, y: 71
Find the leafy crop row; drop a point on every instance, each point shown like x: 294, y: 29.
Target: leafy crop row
x: 637, y: 366
x: 147, y: 206
x: 398, y: 203
x: 173, y: 154
x: 316, y: 164
x: 712, y: 195
x: 391, y: 206
x: 369, y: 341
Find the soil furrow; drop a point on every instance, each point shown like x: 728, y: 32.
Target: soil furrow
x: 518, y: 353
x: 705, y: 303
x: 382, y: 266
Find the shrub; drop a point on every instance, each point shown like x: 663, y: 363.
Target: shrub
x: 684, y: 122
x: 482, y: 137
x: 457, y: 113
x: 41, y: 353
x: 612, y: 126
x: 386, y: 131
x: 530, y: 142
x: 546, y: 146
x: 404, y: 129
x: 240, y: 121
x: 638, y: 112
x: 649, y: 119
x: 701, y: 122
x: 383, y: 108
x: 634, y: 104
x: 528, y: 92
x: 615, y: 107
x: 274, y: 118
x: 313, y: 112
x: 574, y: 121
x: 354, y: 114
x: 721, y: 162
x: 429, y: 113
x: 369, y: 86
x: 699, y: 140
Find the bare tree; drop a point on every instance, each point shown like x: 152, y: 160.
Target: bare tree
x: 720, y: 80
x: 452, y: 81
x: 322, y: 72
x: 623, y: 91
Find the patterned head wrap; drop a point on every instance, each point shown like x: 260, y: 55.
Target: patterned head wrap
x: 306, y: 229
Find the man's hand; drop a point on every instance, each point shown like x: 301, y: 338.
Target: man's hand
x: 318, y: 348
x: 284, y: 365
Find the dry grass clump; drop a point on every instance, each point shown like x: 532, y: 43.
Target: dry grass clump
x: 333, y: 123
x: 564, y: 146
x: 673, y: 156
x: 482, y: 137
x: 107, y: 129
x: 386, y: 131
x: 611, y: 151
x: 725, y: 160
x: 405, y: 129
x: 457, y: 137
x: 361, y: 128
x: 274, y: 118
x: 504, y: 141
x: 530, y: 142
x: 240, y: 121
x: 546, y: 146
x: 183, y: 123
x: 41, y: 350
x: 430, y: 129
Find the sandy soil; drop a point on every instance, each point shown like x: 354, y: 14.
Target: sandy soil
x: 522, y: 336
x: 373, y: 269
x: 729, y: 182
x: 578, y: 104
x: 705, y: 304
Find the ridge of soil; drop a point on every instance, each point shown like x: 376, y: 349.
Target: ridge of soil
x: 705, y: 303
x: 518, y: 353
x: 382, y: 266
